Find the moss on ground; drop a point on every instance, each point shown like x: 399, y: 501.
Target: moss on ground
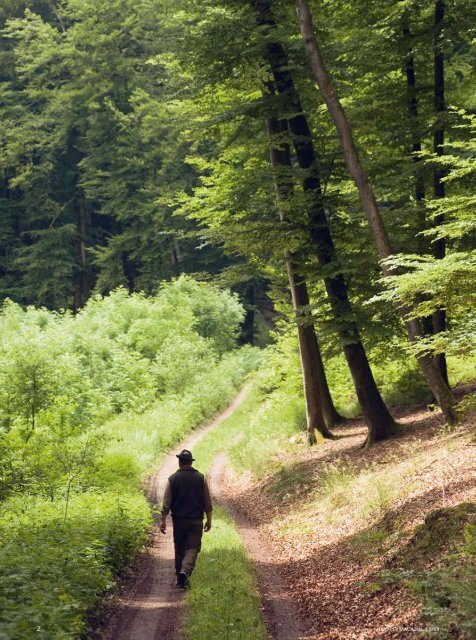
x: 442, y: 532
x: 438, y: 565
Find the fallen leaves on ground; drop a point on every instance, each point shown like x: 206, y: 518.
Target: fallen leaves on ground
x: 315, y: 547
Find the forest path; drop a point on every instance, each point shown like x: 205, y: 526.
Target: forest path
x: 150, y: 607
x: 281, y: 618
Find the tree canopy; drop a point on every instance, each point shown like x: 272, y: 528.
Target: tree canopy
x: 136, y: 146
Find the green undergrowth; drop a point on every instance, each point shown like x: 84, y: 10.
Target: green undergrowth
x: 398, y: 378
x: 258, y: 431
x: 223, y: 602
x: 59, y: 554
x: 52, y: 570
x: 396, y: 373
x: 438, y: 565
x: 137, y: 438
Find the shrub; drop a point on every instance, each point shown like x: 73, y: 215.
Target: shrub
x: 87, y: 404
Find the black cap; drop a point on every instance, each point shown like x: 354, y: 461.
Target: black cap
x: 185, y: 456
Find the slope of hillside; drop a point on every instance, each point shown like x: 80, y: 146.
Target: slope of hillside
x: 370, y: 544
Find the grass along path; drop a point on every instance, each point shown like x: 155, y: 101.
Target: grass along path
x: 224, y: 602
x: 150, y: 604
x: 280, y: 615
x: 233, y: 564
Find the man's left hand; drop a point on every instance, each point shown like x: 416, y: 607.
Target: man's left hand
x: 163, y: 527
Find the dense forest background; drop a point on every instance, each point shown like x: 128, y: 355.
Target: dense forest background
x: 136, y: 146
x: 110, y: 113
x: 93, y: 155
x: 315, y: 158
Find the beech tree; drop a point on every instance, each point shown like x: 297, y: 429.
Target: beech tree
x: 376, y: 414
x: 439, y: 245
x: 139, y: 143
x: 320, y: 409
x: 427, y: 363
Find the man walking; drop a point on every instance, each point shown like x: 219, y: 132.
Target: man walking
x: 188, y: 497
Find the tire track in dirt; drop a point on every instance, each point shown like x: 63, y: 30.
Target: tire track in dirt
x: 150, y: 606
x: 281, y: 618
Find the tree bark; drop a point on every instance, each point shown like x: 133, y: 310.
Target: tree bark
x: 416, y: 146
x: 427, y: 364
x: 81, y: 285
x: 379, y: 420
x: 316, y: 390
x: 428, y: 323
x: 412, y: 108
x: 130, y: 270
x: 439, y: 246
x: 248, y: 330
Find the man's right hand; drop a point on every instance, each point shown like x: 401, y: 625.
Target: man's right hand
x: 163, y: 527
x: 208, y: 525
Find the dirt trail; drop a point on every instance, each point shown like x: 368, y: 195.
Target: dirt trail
x: 150, y: 607
x: 280, y: 615
x: 301, y: 572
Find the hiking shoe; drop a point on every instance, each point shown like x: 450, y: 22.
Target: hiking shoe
x: 182, y: 579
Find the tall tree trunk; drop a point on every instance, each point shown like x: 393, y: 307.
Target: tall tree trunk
x: 430, y: 370
x: 416, y: 146
x: 412, y: 107
x: 379, y: 420
x: 81, y: 285
x: 316, y: 390
x: 130, y: 270
x: 439, y: 246
x: 248, y: 331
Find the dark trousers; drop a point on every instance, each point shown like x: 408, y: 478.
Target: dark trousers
x: 187, y: 543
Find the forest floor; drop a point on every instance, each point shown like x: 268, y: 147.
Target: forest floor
x: 322, y: 527
x: 336, y: 517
